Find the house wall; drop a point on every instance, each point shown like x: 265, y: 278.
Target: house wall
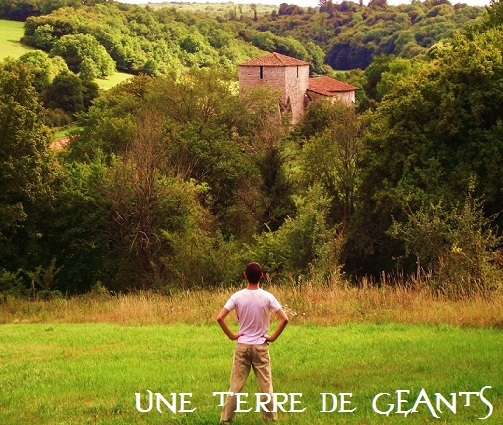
x: 347, y: 97
x: 297, y: 83
x: 251, y: 76
x: 293, y: 81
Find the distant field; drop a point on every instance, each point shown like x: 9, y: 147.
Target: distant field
x: 214, y: 9
x: 112, y: 80
x: 10, y: 34
x: 90, y: 374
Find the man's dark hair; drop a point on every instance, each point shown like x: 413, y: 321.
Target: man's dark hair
x: 253, y: 272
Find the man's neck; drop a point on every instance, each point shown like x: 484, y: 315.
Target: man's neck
x: 252, y: 286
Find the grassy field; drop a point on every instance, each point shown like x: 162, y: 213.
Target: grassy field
x: 91, y: 373
x: 10, y: 34
x: 83, y: 360
x: 112, y: 80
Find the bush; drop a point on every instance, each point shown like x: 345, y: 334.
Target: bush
x: 56, y: 118
x: 199, y: 260
x: 455, y: 246
x: 305, y: 245
x: 11, y: 284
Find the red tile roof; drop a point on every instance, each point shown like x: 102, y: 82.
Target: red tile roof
x: 329, y: 86
x: 274, y: 59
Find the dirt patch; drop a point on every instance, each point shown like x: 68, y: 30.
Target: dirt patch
x: 60, y: 143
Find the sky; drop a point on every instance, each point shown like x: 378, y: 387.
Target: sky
x: 302, y: 3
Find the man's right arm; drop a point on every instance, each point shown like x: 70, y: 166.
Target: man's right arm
x: 283, y: 321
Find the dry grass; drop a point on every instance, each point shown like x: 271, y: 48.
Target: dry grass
x: 306, y: 304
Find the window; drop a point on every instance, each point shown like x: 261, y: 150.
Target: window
x: 261, y: 72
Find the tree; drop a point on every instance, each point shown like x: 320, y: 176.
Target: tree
x: 203, y: 121
x: 453, y: 246
x: 83, y: 53
x: 434, y: 133
x: 66, y: 92
x: 376, y: 4
x: 302, y: 240
x: 330, y: 154
x: 110, y: 124
x: 253, y: 7
x: 43, y: 37
x: 25, y: 164
x: 44, y: 68
x: 75, y: 231
x: 494, y: 17
x: 264, y: 135
x: 136, y: 193
x: 150, y: 208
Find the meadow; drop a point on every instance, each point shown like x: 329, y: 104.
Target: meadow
x: 83, y: 360
x: 10, y: 34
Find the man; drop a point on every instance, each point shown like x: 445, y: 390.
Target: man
x: 253, y: 306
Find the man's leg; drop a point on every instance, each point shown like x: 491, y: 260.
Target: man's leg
x: 262, y: 368
x: 241, y: 365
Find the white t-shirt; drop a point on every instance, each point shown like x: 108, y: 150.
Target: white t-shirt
x: 252, y: 308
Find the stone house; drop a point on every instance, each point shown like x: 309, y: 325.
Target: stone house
x: 330, y: 87
x: 291, y: 77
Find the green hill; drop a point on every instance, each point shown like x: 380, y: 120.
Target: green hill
x: 163, y: 38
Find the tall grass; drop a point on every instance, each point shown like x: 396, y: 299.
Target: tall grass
x: 305, y: 304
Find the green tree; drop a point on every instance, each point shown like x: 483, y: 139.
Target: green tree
x: 137, y: 190
x: 432, y: 134
x: 44, y: 68
x: 203, y: 120
x: 150, y: 207
x: 331, y: 152
x: 25, y: 164
x: 83, y: 53
x: 454, y: 247
x: 43, y: 37
x: 77, y: 227
x: 494, y: 17
x: 109, y: 125
x: 66, y: 92
x: 302, y: 241
x: 264, y: 134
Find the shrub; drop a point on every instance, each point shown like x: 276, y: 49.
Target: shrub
x: 303, y: 245
x: 454, y: 245
x: 11, y: 284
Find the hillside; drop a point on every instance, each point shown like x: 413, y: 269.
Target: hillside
x: 162, y: 38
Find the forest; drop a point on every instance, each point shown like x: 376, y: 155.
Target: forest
x: 173, y: 179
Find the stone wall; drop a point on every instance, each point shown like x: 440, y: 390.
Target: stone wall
x: 293, y: 81
x: 296, y: 85
x: 346, y: 97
